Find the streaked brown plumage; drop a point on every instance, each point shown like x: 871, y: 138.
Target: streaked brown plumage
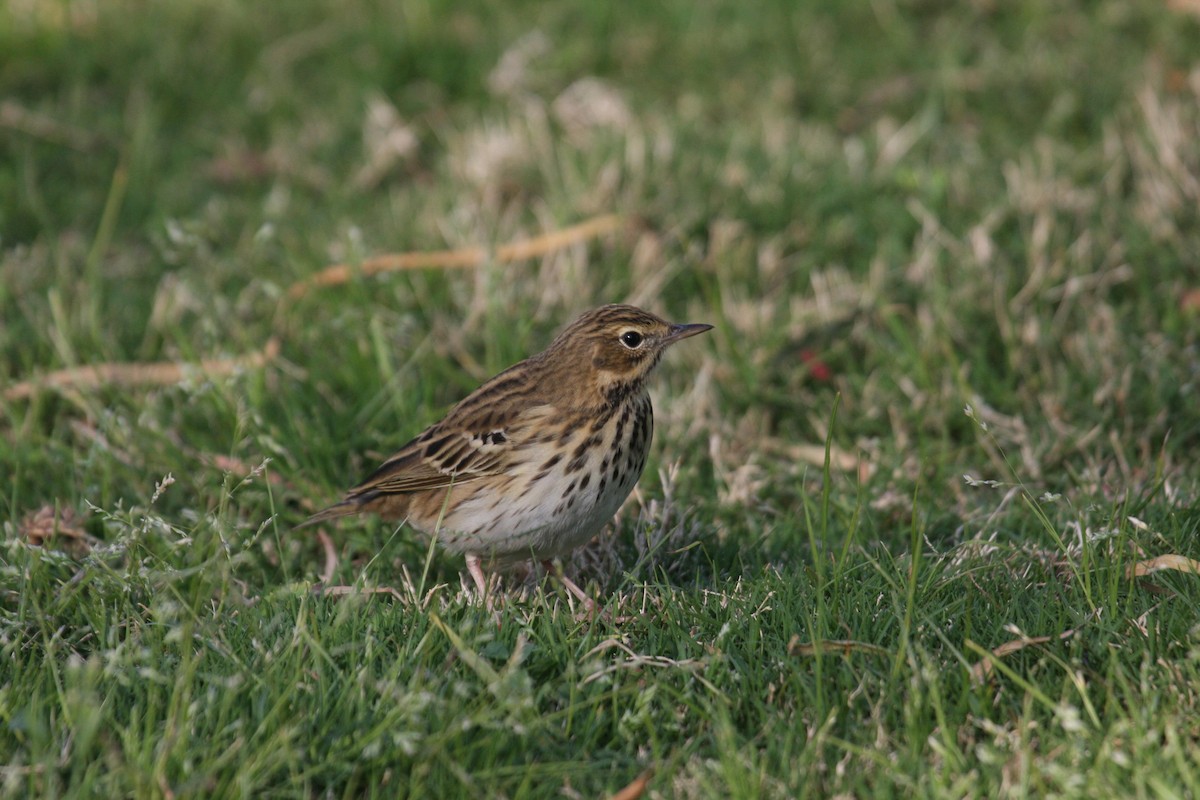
x: 536, y: 460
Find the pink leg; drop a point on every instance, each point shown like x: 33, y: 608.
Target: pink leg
x: 476, y: 570
x: 569, y: 585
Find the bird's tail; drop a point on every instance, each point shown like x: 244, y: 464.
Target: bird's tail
x: 342, y: 509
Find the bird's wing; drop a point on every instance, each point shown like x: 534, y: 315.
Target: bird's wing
x: 455, y: 451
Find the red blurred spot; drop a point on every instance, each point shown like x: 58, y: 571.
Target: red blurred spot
x: 819, y: 370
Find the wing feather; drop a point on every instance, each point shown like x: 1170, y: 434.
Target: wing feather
x: 454, y: 452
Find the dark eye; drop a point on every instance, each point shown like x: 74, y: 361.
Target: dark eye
x: 631, y: 339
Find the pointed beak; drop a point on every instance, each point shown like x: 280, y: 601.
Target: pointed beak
x: 678, y: 332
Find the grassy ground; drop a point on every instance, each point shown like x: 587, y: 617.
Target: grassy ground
x: 956, y: 247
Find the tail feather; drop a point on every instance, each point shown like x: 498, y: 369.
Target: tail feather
x: 388, y: 504
x: 342, y: 509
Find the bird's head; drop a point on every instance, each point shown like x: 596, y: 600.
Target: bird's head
x: 616, y: 347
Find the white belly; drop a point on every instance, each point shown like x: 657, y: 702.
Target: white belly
x: 554, y: 510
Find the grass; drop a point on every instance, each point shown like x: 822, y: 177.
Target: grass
x: 892, y: 538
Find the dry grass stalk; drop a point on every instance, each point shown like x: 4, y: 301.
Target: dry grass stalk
x: 463, y: 258
x: 160, y: 373
x: 982, y: 670
x: 636, y: 788
x: 830, y: 646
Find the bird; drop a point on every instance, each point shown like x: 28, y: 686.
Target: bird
x: 533, y: 463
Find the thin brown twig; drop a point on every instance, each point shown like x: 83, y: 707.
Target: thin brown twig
x: 844, y: 646
x: 636, y: 788
x: 161, y: 373
x: 463, y: 258
x: 982, y: 669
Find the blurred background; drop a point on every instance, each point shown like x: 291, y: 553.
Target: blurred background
x: 915, y: 206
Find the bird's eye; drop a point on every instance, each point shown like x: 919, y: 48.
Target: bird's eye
x: 631, y: 339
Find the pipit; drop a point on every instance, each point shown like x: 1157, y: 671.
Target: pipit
x: 536, y: 460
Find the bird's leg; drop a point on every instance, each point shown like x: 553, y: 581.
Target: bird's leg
x: 588, y: 603
x: 476, y: 570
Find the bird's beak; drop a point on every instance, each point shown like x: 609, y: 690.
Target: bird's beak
x: 678, y: 332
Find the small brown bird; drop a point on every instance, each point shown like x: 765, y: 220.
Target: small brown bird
x: 535, y: 461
